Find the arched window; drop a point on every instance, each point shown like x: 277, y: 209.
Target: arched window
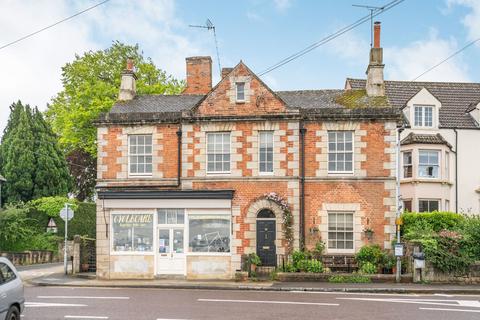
x: 266, y: 213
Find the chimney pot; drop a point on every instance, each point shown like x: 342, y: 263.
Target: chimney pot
x: 199, y: 75
x: 376, y: 34
x: 128, y: 87
x: 130, y: 64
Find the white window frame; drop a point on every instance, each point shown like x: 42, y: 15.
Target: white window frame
x: 202, y: 212
x: 336, y: 151
x: 447, y: 166
x: 430, y: 200
x: 266, y: 173
x: 404, y: 165
x: 141, y: 174
x: 423, y: 118
x: 134, y: 253
x: 428, y: 164
x: 230, y: 152
x: 344, y: 250
x: 237, y: 92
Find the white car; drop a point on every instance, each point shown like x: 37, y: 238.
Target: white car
x: 12, y: 301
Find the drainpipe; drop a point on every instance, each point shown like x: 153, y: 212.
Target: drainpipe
x: 456, y: 169
x: 179, y: 155
x: 399, y: 206
x: 302, y: 186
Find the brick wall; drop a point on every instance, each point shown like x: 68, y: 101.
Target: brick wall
x: 258, y: 98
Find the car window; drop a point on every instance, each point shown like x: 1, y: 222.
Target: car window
x: 6, y: 273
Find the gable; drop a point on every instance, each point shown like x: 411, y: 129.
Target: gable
x: 422, y: 98
x: 259, y: 99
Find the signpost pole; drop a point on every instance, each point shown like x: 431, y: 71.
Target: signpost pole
x: 399, y: 208
x: 65, y: 246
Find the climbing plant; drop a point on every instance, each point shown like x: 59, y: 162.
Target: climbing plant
x: 287, y: 218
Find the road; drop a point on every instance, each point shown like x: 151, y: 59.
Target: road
x: 150, y: 304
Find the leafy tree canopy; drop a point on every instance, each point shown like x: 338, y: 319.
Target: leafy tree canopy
x: 90, y: 86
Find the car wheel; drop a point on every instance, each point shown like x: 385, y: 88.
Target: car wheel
x: 13, y: 313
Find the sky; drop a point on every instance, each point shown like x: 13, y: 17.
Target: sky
x: 416, y: 35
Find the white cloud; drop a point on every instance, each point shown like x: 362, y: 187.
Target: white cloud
x: 282, y: 4
x: 472, y: 20
x: 31, y: 69
x: 406, y: 63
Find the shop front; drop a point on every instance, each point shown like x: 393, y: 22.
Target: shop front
x: 150, y: 235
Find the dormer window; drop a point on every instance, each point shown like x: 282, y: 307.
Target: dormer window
x: 240, y: 88
x: 423, y: 116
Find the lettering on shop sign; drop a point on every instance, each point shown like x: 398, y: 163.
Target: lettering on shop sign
x: 132, y: 220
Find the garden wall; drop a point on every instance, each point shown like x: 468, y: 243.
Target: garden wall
x: 29, y: 257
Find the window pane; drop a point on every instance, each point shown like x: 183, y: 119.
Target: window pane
x: 340, y: 230
x: 178, y: 240
x: 433, y: 205
x: 132, y: 232
x: 164, y: 241
x: 209, y: 233
x: 162, y: 217
x: 6, y: 273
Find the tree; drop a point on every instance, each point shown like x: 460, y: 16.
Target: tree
x: 32, y: 161
x: 90, y: 86
x: 51, y: 174
x: 18, y: 158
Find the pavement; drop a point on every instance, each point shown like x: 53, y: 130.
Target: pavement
x: 50, y: 276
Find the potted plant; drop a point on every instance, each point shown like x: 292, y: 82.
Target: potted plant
x: 255, y: 261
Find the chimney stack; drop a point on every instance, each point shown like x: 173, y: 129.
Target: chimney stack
x: 375, y: 84
x: 128, y: 82
x: 226, y: 71
x: 199, y: 75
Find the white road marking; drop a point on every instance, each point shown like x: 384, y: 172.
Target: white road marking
x: 438, y: 302
x: 170, y: 319
x: 443, y: 295
x: 358, y: 293
x: 444, y: 309
x: 85, y: 317
x: 82, y: 297
x: 44, y: 304
x: 271, y: 301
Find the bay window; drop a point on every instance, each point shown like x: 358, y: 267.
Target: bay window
x: 209, y: 233
x: 132, y: 232
x: 407, y: 164
x: 428, y: 205
x: 428, y: 163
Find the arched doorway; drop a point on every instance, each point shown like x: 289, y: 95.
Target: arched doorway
x: 266, y: 235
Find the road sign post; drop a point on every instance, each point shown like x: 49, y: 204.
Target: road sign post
x: 66, y: 214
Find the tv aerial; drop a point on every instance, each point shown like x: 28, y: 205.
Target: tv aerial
x: 372, y: 10
x: 210, y: 27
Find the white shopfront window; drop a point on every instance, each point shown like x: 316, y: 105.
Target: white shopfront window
x: 209, y: 233
x: 132, y: 232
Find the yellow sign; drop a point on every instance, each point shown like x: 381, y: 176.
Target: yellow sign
x: 399, y: 221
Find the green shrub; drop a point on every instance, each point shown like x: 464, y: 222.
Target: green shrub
x: 317, y: 252
x: 471, y: 232
x: 289, y: 267
x: 368, y: 268
x: 349, y: 279
x: 302, y: 265
x: 370, y: 253
x: 15, y: 228
x: 314, y: 266
x: 436, y: 221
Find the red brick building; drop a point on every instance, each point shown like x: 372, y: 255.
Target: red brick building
x: 189, y: 183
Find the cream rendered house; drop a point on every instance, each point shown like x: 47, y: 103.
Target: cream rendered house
x: 440, y: 145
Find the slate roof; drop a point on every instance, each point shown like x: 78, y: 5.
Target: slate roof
x: 414, y: 138
x: 456, y: 98
x: 311, y: 99
x: 153, y: 103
